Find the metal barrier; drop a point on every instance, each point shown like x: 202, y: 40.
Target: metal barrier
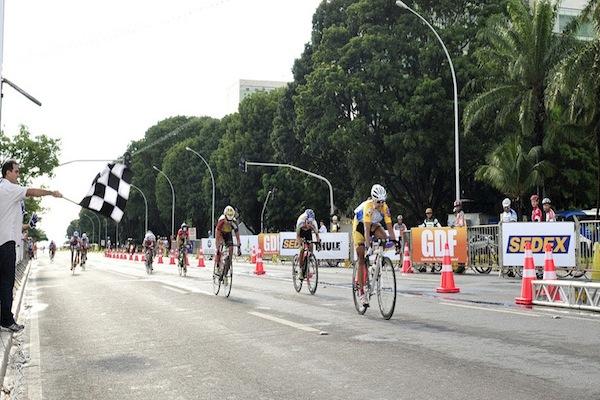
x: 483, y: 247
x: 588, y: 233
x: 568, y: 294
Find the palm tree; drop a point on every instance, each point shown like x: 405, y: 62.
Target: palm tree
x: 512, y: 169
x: 578, y: 82
x: 524, y: 50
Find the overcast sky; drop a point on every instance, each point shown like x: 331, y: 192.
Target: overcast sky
x: 106, y: 71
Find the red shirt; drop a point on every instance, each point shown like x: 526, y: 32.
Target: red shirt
x: 536, y: 215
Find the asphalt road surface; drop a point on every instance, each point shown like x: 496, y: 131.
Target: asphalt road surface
x: 112, y: 332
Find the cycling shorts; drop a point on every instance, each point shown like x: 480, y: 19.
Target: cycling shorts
x: 358, y: 232
x: 227, y: 238
x: 305, y: 234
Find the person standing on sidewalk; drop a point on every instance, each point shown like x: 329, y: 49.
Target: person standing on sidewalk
x: 12, y: 196
x: 536, y: 212
x: 548, y: 210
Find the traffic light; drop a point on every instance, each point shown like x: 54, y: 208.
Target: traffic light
x: 242, y: 165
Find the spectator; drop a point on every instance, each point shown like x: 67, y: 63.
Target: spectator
x: 508, y: 214
x: 335, y: 226
x: 536, y: 212
x: 548, y: 210
x: 400, y: 227
x: 322, y: 227
x: 459, y: 214
x: 430, y: 221
x: 12, y: 196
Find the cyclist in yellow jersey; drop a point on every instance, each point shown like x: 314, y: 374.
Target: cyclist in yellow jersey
x: 367, y: 223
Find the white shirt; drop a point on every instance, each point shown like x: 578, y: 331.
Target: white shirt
x: 323, y: 229
x: 11, y: 213
x: 510, y: 216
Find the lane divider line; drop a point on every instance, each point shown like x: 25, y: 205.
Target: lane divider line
x: 490, y: 309
x: 173, y: 289
x: 282, y: 321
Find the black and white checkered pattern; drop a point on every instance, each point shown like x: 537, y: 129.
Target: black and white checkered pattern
x: 109, y: 192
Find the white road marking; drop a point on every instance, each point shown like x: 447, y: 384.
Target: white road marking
x: 490, y: 309
x: 35, y: 376
x: 173, y: 289
x: 284, y: 322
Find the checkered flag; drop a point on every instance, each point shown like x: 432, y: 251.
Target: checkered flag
x: 109, y: 192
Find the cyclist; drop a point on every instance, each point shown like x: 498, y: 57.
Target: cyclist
x: 85, y: 245
x: 367, y: 222
x: 305, y: 226
x: 225, y: 225
x: 149, y: 244
x: 52, y: 249
x: 550, y: 214
x: 536, y: 212
x: 75, y: 245
x: 182, y: 238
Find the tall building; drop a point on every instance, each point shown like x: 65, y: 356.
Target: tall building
x: 568, y: 10
x: 247, y: 87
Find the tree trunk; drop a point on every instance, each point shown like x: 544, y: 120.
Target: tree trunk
x: 597, y: 170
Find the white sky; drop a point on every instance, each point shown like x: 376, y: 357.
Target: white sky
x: 105, y: 71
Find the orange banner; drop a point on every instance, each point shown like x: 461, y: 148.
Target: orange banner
x: 428, y: 244
x: 269, y: 243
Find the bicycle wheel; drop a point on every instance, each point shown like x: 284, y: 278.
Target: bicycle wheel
x: 483, y: 270
x: 360, y: 308
x: 216, y: 279
x: 312, y: 274
x: 386, y: 288
x: 228, y: 278
x: 295, y: 272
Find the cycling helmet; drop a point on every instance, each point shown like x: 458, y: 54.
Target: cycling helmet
x: 84, y: 235
x: 457, y: 203
x: 310, y: 215
x: 546, y: 201
x: 184, y: 226
x: 399, y: 216
x: 229, y: 213
x: 76, y: 234
x: 334, y: 218
x: 506, y: 202
x: 534, y: 197
x: 378, y: 193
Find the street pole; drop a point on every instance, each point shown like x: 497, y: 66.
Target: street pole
x: 92, y: 221
x: 146, y: 204
x: 212, y: 177
x: 261, y: 164
x: 99, y: 228
x: 262, y: 213
x: 173, y: 206
x: 456, y: 138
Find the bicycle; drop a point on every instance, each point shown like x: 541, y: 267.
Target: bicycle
x: 52, y: 252
x: 310, y: 269
x: 181, y: 262
x: 83, y: 259
x: 149, y: 258
x: 379, y: 278
x: 74, y: 260
x: 223, y: 273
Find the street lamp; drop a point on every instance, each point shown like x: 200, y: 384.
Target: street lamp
x: 14, y: 86
x: 401, y: 4
x: 92, y: 221
x: 145, y: 203
x: 173, y: 203
x: 212, y: 177
x: 262, y: 214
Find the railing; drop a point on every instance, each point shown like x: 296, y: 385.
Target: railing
x: 569, y: 294
x: 21, y: 267
x: 588, y: 233
x: 483, y: 247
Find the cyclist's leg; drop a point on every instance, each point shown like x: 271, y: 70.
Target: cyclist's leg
x: 359, y: 244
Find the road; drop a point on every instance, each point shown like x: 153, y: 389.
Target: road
x: 112, y: 332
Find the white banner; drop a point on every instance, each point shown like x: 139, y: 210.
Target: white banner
x: 248, y: 242
x: 192, y: 232
x: 208, y: 246
x: 334, y: 246
x: 561, y: 235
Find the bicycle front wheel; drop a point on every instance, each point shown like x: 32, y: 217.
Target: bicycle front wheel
x: 312, y: 274
x: 228, y: 279
x: 386, y: 288
x: 360, y: 308
x: 295, y: 272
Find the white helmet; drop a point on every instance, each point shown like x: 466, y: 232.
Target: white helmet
x: 334, y: 218
x: 378, y: 193
x: 546, y: 201
x: 506, y: 202
x: 84, y: 235
x: 229, y: 213
x: 76, y: 234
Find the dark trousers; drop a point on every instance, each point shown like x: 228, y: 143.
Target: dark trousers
x: 8, y: 258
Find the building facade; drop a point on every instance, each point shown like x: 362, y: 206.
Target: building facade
x: 247, y: 87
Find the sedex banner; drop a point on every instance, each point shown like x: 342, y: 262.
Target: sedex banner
x: 333, y: 246
x: 560, y: 235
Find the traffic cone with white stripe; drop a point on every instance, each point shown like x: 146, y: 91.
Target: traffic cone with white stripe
x: 160, y: 256
x: 259, y: 263
x: 550, y: 273
x: 253, y: 255
x: 172, y: 258
x: 406, y: 264
x: 201, y: 259
x: 136, y: 258
x: 447, y: 285
x: 526, y: 298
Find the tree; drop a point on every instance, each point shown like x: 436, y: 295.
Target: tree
x: 577, y: 81
x: 512, y: 169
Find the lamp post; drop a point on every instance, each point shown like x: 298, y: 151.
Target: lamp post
x: 212, y: 177
x: 92, y: 221
x: 262, y: 213
x: 99, y: 227
x: 173, y: 203
x: 146, y: 204
x: 400, y: 3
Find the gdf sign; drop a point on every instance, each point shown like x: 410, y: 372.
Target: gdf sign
x: 428, y: 244
x: 269, y: 243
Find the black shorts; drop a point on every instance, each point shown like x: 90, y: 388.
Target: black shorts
x: 227, y: 238
x: 306, y: 235
x: 360, y: 228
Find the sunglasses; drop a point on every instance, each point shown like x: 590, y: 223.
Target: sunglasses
x: 380, y: 201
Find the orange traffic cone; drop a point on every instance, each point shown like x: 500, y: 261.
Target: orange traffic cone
x: 259, y: 263
x: 406, y: 264
x: 172, y: 258
x: 123, y: 256
x: 160, y: 260
x: 550, y: 272
x: 143, y: 257
x: 130, y: 256
x: 447, y: 274
x: 253, y: 255
x: 201, y: 259
x: 136, y: 258
x: 526, y: 298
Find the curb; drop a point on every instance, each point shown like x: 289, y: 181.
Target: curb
x: 8, y: 336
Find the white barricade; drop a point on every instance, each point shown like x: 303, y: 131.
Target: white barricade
x: 247, y: 243
x: 334, y: 246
